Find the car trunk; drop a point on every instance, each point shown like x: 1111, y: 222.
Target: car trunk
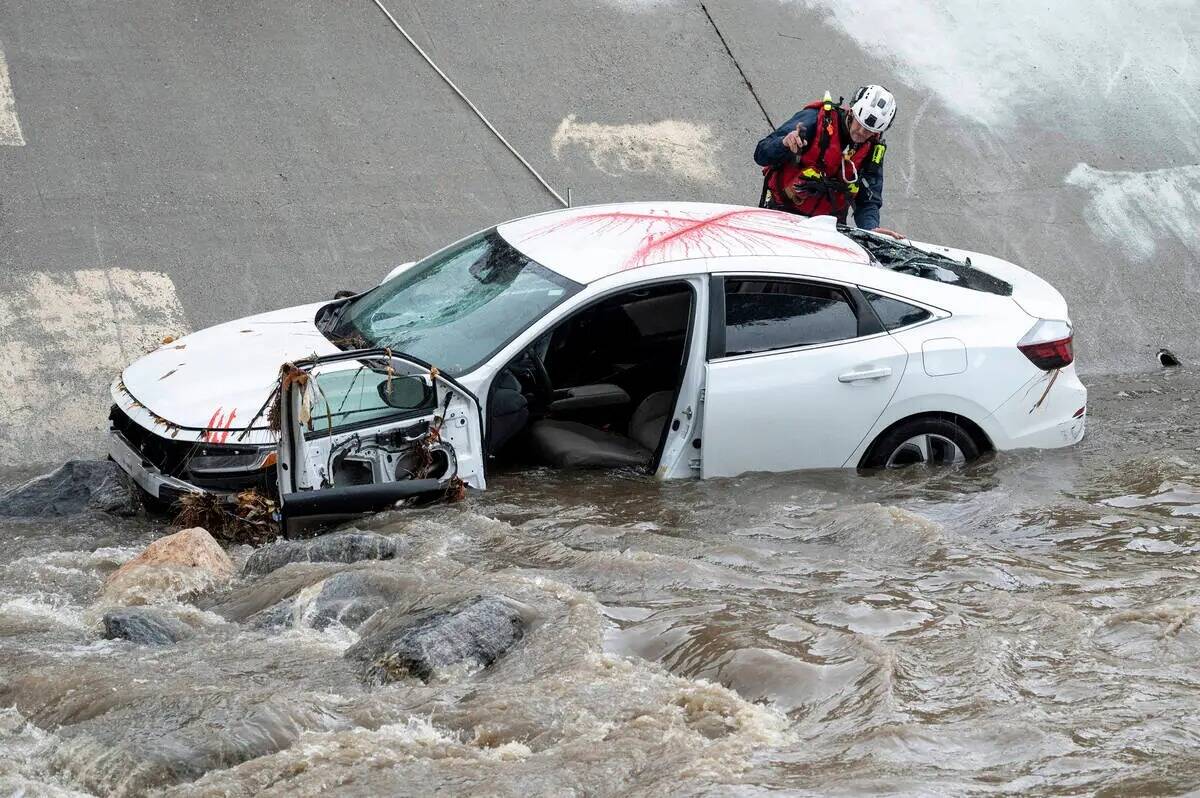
x: 971, y: 270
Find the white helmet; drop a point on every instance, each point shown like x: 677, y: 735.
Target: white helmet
x: 874, y: 107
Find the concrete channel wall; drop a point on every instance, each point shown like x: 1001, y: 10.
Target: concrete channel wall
x: 168, y: 165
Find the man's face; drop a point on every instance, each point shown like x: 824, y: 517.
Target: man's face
x: 858, y: 133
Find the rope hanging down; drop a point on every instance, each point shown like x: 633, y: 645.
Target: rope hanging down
x: 471, y: 105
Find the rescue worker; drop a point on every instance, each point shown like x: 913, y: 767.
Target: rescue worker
x: 828, y: 157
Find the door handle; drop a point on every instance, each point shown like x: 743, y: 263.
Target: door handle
x: 869, y: 374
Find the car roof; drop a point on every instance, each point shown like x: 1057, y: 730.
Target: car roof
x: 589, y: 243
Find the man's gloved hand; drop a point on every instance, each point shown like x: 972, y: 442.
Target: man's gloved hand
x: 794, y: 141
x: 886, y: 232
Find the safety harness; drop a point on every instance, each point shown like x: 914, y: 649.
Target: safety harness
x: 821, y: 181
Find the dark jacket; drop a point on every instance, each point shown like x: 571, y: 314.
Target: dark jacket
x: 771, y: 152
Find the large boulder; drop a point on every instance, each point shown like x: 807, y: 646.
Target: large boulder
x: 475, y: 632
x: 344, y: 547
x: 174, y: 567
x: 145, y: 625
x: 75, y: 487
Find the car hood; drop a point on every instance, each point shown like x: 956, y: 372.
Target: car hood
x: 218, y: 378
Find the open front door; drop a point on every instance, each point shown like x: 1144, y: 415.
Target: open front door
x: 360, y: 431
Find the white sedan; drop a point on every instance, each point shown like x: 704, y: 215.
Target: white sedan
x: 688, y: 339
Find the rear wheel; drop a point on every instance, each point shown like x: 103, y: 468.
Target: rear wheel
x: 923, y: 441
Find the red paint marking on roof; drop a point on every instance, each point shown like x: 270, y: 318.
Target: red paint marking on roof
x: 707, y: 236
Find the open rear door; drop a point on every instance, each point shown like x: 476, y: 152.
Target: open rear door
x: 360, y: 431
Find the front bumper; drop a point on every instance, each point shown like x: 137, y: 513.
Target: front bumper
x: 185, y: 463
x: 159, y: 485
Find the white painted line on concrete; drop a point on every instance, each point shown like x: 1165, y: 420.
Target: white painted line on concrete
x: 10, y: 126
x: 64, y: 337
x: 685, y: 148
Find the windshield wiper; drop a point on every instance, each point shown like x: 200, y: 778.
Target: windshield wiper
x: 340, y: 330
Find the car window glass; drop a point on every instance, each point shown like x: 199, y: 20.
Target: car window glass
x: 352, y: 397
x: 606, y: 341
x: 895, y: 314
x: 762, y: 315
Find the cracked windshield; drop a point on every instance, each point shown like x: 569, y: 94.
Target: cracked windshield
x: 457, y: 307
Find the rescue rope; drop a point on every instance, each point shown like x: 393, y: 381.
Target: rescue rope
x: 736, y: 63
x: 471, y: 105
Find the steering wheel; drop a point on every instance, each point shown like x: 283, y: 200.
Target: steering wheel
x: 543, y: 386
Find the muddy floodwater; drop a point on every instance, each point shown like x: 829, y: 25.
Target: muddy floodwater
x: 1024, y: 625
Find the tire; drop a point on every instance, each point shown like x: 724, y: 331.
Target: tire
x: 922, y: 441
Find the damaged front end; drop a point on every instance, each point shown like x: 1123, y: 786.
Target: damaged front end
x: 169, y: 461
x: 361, y: 431
x: 340, y: 435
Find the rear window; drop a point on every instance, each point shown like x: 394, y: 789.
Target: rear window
x: 895, y: 314
x: 763, y: 315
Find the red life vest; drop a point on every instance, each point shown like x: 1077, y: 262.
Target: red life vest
x: 824, y: 179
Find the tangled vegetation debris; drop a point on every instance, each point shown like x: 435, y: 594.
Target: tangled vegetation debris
x: 289, y: 374
x: 159, y: 421
x: 247, y: 517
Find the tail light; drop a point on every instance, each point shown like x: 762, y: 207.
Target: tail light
x: 1048, y: 345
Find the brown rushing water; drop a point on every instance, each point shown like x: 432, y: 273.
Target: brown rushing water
x: 1027, y: 624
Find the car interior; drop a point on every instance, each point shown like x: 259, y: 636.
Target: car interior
x: 598, y: 389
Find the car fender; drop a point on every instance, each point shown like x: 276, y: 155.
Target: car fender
x: 930, y: 403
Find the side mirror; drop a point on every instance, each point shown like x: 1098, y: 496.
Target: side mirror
x: 396, y: 272
x: 405, y: 393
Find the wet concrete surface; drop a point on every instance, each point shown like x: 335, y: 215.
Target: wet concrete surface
x: 1023, y: 625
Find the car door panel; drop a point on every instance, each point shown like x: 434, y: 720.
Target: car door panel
x: 799, y: 370
x: 795, y: 409
x: 360, y: 427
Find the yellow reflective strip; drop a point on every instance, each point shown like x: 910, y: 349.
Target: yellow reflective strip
x: 877, y: 153
x: 810, y: 173
x: 854, y: 188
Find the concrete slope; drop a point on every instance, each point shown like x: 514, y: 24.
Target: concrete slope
x: 1061, y: 137
x: 168, y: 165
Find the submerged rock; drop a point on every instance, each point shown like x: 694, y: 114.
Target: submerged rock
x: 275, y: 617
x: 177, y: 565
x: 476, y: 632
x: 317, y: 595
x: 351, y: 597
x: 348, y: 598
x: 145, y: 625
x: 346, y: 547
x: 74, y: 487
x: 245, y: 602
